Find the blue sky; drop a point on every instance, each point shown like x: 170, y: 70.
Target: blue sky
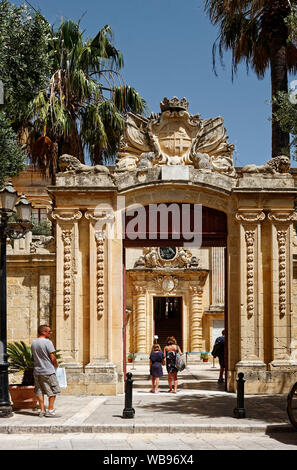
x: 167, y: 49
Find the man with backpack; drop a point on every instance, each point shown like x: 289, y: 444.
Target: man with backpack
x: 218, y: 351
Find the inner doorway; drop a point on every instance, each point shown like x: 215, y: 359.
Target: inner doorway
x: 168, y: 319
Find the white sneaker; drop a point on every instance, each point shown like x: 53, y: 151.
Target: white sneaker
x: 50, y: 413
x: 42, y: 414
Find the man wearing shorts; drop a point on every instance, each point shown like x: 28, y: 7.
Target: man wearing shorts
x: 45, y: 364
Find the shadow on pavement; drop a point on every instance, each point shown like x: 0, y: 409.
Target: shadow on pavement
x: 270, y: 409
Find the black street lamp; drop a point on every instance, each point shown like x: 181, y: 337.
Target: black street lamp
x: 12, y: 230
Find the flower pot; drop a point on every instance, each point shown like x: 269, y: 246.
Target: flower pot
x: 23, y: 396
x: 130, y: 360
x: 205, y: 360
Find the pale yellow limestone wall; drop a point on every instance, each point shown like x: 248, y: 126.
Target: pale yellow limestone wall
x: 30, y: 299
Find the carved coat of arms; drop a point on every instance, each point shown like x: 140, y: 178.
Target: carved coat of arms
x: 175, y: 137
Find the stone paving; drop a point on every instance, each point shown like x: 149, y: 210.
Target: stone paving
x: 200, y: 406
x: 150, y: 442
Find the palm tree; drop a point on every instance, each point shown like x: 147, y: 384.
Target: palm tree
x: 82, y: 109
x: 256, y: 32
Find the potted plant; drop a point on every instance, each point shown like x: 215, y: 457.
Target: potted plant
x: 204, y: 357
x: 131, y: 357
x: 21, y: 360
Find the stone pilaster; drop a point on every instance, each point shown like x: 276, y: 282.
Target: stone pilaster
x: 282, y: 268
x: 68, y: 272
x: 97, y: 275
x: 140, y: 313
x: 251, y: 332
x: 100, y: 367
x: 217, y: 276
x: 196, y: 310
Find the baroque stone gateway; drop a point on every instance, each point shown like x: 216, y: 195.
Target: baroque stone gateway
x: 121, y: 266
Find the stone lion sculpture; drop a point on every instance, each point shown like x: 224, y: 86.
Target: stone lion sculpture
x: 279, y: 164
x: 70, y: 163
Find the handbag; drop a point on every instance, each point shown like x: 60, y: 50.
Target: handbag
x: 61, y: 377
x: 179, y: 362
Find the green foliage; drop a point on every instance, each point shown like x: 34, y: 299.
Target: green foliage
x: 203, y: 356
x: 82, y: 108
x: 260, y: 34
x: 21, y: 359
x: 63, y: 93
x: 249, y: 28
x: 20, y: 356
x: 286, y: 115
x: 24, y: 59
x: 12, y: 157
x: 42, y: 228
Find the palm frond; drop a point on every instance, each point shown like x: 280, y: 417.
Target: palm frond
x: 20, y: 356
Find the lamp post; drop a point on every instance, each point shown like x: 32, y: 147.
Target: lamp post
x: 12, y: 230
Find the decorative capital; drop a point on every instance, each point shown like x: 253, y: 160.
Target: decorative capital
x: 196, y: 290
x: 282, y: 216
x: 139, y: 289
x: 65, y: 216
x: 250, y: 216
x: 100, y: 218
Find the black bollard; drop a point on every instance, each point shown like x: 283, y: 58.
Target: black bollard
x: 128, y: 411
x: 239, y: 412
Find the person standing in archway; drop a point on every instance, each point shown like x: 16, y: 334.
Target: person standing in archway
x: 170, y: 351
x: 219, y: 351
x: 156, y: 369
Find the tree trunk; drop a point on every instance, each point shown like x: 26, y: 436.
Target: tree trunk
x: 279, y: 82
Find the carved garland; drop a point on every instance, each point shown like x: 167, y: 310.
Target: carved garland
x: 250, y: 243
x: 281, y: 238
x: 67, y: 241
x: 284, y: 217
x: 100, y: 218
x: 100, y: 272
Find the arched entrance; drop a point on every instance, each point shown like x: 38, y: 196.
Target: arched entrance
x: 166, y: 285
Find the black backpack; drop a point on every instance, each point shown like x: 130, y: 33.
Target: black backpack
x: 218, y: 349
